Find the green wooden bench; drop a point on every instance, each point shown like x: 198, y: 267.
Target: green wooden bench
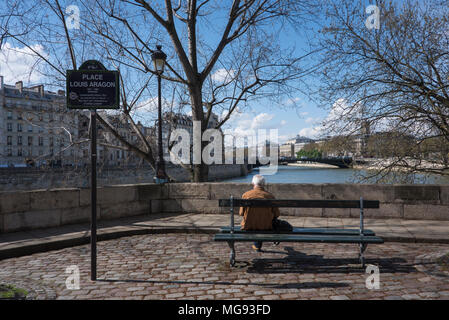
x: 359, y: 236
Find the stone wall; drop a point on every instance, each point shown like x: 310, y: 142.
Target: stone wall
x: 32, y: 178
x: 26, y: 210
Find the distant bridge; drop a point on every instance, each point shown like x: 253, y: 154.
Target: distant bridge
x: 341, y: 162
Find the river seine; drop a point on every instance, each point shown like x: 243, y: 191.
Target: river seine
x: 293, y: 174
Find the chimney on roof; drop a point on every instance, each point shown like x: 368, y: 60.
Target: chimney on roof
x: 41, y: 90
x: 19, y: 85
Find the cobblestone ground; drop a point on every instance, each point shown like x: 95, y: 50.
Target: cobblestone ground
x: 193, y: 266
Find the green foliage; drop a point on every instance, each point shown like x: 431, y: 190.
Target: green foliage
x: 314, y: 153
x: 10, y: 292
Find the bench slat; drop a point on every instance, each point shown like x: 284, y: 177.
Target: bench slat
x: 296, y: 238
x: 283, y: 203
x: 328, y: 231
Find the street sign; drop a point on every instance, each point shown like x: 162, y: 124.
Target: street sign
x: 93, y: 87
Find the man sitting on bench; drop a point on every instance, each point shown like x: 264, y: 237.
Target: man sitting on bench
x: 258, y: 218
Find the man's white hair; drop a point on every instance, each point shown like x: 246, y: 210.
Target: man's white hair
x: 258, y: 180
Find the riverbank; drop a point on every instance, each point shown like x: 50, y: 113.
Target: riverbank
x: 380, y: 164
x: 317, y: 173
x: 312, y: 165
x: 372, y: 165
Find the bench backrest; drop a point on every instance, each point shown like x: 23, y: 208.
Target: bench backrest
x: 299, y: 203
x: 281, y: 203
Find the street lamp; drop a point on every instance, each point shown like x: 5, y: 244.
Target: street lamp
x: 158, y: 58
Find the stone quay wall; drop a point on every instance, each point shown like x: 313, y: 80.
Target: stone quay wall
x: 27, y: 210
x: 32, y: 178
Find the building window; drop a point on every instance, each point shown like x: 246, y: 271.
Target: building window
x: 9, y: 140
x: 19, y: 152
x: 9, y: 127
x: 30, y: 128
x: 19, y: 140
x: 9, y: 152
x: 41, y: 141
x: 30, y: 141
x: 51, y: 141
x: 19, y: 116
x: 19, y: 127
x: 9, y: 117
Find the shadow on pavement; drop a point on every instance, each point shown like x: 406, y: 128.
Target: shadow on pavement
x: 299, y: 262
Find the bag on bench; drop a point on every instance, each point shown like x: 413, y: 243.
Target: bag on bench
x: 281, y: 225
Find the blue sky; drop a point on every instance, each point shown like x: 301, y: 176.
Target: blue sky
x: 298, y: 115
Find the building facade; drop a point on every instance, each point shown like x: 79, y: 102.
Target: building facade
x: 292, y: 146
x: 36, y: 128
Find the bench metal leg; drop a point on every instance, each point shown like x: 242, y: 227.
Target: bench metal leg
x: 232, y: 256
x: 361, y: 254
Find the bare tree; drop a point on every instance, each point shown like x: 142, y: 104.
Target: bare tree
x: 221, y: 55
x: 390, y: 77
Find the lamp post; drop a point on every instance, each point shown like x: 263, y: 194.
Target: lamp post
x: 158, y: 58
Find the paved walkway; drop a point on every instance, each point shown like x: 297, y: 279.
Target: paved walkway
x: 192, y: 266
x: 24, y: 243
x: 180, y: 261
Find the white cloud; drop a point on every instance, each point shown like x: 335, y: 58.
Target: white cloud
x: 260, y: 120
x: 311, y: 132
x: 223, y: 75
x: 21, y: 64
x: 148, y: 105
x: 343, y: 118
x: 146, y: 110
x: 243, y: 124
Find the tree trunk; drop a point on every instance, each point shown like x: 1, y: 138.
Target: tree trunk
x: 200, y: 171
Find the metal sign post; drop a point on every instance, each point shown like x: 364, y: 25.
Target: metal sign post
x: 93, y: 228
x: 93, y: 87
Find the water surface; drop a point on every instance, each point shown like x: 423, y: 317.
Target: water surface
x: 293, y: 174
